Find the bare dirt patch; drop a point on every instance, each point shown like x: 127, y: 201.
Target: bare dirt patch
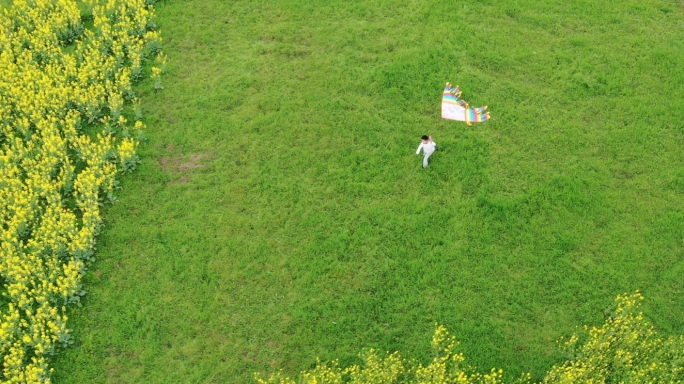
x: 183, y: 165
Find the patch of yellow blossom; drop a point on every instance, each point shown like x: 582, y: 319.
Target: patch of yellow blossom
x: 61, y: 87
x: 446, y: 367
x: 626, y: 349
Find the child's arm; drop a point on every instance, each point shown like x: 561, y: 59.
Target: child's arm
x: 419, y: 147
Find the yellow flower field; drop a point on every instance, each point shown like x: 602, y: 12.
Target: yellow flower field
x: 63, y: 138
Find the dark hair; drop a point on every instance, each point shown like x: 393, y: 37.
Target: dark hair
x: 425, y: 137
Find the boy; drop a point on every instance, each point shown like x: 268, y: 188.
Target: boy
x: 429, y: 147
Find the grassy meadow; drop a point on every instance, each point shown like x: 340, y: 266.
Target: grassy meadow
x: 280, y: 213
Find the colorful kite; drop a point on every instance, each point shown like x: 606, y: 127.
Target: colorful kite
x: 454, y: 108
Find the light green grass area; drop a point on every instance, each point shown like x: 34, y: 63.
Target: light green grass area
x: 280, y: 213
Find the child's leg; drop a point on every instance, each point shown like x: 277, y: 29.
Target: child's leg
x: 425, y: 159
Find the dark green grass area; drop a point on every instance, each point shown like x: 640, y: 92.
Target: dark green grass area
x: 280, y: 213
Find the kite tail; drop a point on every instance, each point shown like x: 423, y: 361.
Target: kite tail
x: 453, y: 90
x: 453, y: 94
x: 477, y: 115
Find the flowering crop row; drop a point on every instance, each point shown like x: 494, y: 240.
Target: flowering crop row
x: 63, y: 137
x: 626, y: 349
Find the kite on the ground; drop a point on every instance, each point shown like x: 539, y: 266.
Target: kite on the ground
x: 455, y: 108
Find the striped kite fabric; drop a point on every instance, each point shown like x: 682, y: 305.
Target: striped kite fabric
x: 477, y: 115
x: 455, y: 108
x: 452, y: 95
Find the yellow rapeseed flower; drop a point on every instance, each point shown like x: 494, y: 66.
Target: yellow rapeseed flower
x: 46, y: 95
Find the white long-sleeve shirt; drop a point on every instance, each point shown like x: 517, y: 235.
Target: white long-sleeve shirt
x: 427, y: 148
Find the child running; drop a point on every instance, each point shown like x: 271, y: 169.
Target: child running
x: 428, y: 146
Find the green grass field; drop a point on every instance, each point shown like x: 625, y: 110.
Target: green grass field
x: 280, y: 213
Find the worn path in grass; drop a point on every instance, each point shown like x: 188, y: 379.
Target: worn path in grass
x: 280, y: 213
